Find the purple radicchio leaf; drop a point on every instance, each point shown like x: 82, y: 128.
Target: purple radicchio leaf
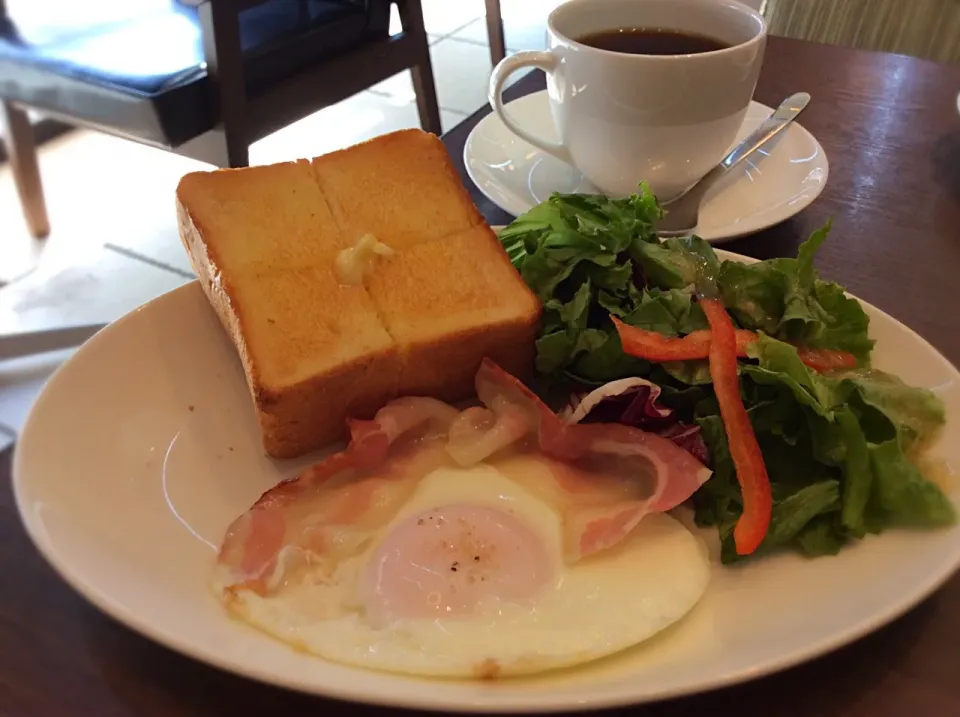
x: 689, y: 438
x: 634, y: 402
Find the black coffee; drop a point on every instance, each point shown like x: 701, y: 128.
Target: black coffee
x: 652, y: 41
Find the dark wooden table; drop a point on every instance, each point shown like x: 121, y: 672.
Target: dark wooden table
x: 890, y: 127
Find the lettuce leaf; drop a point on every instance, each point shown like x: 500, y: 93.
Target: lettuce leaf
x: 551, y: 240
x: 802, y: 489
x: 672, y: 312
x: 819, y: 537
x: 676, y: 263
x: 903, y: 496
x: 851, y: 432
x: 917, y: 413
x: 588, y: 257
x: 785, y: 298
x: 858, y: 480
x: 839, y: 448
x: 573, y: 251
x: 780, y: 366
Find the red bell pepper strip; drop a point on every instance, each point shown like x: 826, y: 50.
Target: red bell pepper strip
x: 752, y: 526
x: 702, y: 340
x: 822, y: 360
x: 654, y: 346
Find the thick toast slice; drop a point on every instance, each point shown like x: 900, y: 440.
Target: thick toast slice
x: 448, y: 304
x: 318, y: 349
x: 262, y: 242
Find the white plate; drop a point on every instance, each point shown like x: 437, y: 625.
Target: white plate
x: 143, y: 447
x: 766, y: 190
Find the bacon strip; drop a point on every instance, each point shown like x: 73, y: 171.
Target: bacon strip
x: 255, y: 540
x: 479, y: 433
x: 598, y: 473
x: 676, y: 474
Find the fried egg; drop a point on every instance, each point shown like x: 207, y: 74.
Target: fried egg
x: 468, y: 579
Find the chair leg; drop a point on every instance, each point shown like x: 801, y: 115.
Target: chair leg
x: 498, y: 45
x: 22, y: 151
x: 411, y: 19
x: 232, y: 149
x: 426, y: 92
x: 220, y: 32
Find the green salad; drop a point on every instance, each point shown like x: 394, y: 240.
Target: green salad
x: 840, y: 441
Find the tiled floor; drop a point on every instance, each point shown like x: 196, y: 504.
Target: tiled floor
x: 114, y: 244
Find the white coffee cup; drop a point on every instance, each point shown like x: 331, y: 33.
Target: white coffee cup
x: 625, y: 118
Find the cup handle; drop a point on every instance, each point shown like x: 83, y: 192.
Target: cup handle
x: 546, y: 61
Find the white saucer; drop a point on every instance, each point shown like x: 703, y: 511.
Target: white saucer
x: 764, y: 191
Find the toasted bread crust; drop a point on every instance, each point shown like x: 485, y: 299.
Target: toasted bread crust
x: 215, y: 286
x: 314, y: 413
x: 420, y: 324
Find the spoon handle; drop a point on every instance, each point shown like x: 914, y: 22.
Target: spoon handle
x: 785, y: 114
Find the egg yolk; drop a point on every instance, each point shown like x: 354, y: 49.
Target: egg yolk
x: 448, y: 561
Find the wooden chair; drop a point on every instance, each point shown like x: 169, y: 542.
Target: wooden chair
x: 202, y: 78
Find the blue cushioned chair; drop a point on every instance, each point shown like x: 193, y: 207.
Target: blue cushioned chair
x: 203, y: 78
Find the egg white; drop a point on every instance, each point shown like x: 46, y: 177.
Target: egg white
x: 597, y: 607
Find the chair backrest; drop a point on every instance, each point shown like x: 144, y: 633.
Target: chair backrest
x: 167, y: 71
